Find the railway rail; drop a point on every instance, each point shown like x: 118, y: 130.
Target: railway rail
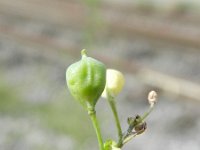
x: 73, y: 14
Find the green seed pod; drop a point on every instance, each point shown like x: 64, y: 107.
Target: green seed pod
x: 86, y: 80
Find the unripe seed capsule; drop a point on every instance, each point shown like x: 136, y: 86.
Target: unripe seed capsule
x: 86, y: 80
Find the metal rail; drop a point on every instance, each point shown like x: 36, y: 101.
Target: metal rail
x: 74, y: 14
x: 151, y: 77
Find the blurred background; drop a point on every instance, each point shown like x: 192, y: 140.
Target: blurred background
x: 155, y: 43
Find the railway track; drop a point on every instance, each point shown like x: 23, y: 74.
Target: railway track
x: 74, y: 15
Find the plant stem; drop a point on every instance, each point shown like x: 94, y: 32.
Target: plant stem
x: 126, y: 140
x: 95, y: 123
x: 147, y: 113
x: 111, y: 101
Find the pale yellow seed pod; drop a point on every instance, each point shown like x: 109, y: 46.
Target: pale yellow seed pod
x: 114, y: 82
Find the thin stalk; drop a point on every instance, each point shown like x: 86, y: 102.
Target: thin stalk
x: 97, y: 128
x: 147, y: 113
x: 126, y: 140
x: 111, y: 101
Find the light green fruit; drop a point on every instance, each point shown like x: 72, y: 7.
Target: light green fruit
x: 86, y: 80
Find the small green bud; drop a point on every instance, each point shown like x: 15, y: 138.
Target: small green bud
x: 86, y: 80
